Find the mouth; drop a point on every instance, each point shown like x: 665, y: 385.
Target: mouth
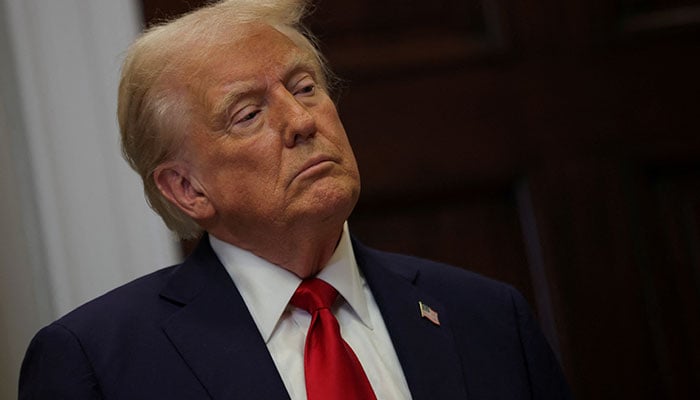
x: 313, y: 165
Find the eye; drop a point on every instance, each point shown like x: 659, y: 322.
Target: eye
x: 245, y: 114
x: 245, y: 118
x: 249, y: 116
x: 308, y: 89
x: 305, y: 87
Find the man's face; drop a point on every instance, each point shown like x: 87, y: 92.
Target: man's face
x: 268, y: 149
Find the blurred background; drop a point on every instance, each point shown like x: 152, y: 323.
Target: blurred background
x: 552, y: 145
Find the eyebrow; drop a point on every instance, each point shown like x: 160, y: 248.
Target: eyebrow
x: 236, y: 92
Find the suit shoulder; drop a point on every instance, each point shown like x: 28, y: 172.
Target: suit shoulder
x: 131, y: 300
x: 438, y: 273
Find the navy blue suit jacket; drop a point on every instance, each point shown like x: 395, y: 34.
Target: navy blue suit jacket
x: 184, y: 333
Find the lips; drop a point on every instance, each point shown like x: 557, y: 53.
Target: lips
x: 312, y: 163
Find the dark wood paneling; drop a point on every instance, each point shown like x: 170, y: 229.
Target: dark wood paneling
x: 667, y: 249
x: 585, y: 225
x: 370, y: 37
x: 653, y: 17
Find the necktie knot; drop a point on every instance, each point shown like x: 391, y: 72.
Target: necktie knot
x: 314, y: 294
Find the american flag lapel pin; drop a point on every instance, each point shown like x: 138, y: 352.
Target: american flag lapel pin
x: 429, y: 313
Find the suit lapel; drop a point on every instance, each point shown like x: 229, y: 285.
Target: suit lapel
x: 216, y: 335
x: 426, y: 351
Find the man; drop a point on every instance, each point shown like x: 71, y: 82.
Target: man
x: 225, y: 113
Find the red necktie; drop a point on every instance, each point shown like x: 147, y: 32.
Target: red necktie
x: 331, y: 368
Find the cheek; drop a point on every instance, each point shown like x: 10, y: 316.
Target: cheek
x: 333, y: 126
x: 249, y: 171
x: 342, y: 141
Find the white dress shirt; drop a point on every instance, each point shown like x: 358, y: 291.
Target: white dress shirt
x: 266, y: 289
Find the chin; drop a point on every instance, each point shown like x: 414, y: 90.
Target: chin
x: 333, y: 203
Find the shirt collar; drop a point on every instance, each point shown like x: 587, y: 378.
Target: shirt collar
x: 266, y: 288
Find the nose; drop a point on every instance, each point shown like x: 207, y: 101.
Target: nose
x: 295, y: 121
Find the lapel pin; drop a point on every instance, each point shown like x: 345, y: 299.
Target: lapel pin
x: 429, y: 313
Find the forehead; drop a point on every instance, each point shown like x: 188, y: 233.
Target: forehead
x: 256, y: 50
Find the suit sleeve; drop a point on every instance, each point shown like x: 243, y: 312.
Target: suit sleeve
x: 56, y: 367
x: 547, y: 380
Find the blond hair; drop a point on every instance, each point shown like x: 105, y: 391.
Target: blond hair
x: 154, y: 113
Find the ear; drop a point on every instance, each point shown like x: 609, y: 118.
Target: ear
x: 175, y: 182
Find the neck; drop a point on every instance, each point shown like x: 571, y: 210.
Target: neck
x: 302, y: 251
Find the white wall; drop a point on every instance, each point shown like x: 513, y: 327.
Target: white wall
x: 73, y: 219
